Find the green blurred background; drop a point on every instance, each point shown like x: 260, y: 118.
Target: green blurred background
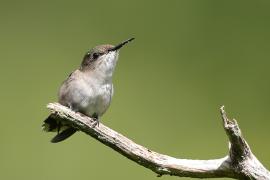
x: 189, y: 57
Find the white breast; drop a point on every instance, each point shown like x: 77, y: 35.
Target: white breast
x: 90, y: 92
x: 98, y: 100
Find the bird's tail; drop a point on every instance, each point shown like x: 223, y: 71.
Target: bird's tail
x: 52, y: 125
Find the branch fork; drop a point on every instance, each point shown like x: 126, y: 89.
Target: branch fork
x: 239, y: 164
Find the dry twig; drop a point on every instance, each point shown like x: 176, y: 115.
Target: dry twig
x: 239, y: 164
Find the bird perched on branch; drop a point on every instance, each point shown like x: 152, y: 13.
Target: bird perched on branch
x: 87, y: 90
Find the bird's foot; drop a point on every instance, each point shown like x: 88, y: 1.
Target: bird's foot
x: 96, y: 119
x: 96, y: 122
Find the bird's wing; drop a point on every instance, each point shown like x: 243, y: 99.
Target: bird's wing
x: 66, y: 86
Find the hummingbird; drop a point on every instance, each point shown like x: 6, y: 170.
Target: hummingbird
x: 87, y: 90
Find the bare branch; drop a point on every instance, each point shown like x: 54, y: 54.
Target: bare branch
x: 239, y: 164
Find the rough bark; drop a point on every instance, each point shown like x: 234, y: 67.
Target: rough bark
x: 239, y: 164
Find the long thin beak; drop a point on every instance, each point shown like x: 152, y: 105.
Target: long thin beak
x: 121, y: 44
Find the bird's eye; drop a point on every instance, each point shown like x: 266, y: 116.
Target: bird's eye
x: 95, y: 55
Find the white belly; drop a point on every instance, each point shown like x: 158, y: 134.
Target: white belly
x: 87, y: 97
x: 98, y: 101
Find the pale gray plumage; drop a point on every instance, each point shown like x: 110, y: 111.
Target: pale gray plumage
x: 89, y: 89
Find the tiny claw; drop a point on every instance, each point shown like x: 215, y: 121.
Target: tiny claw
x: 96, y: 123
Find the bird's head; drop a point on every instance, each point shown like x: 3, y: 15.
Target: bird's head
x: 102, y: 59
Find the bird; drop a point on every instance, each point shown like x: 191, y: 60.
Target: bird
x: 87, y: 90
